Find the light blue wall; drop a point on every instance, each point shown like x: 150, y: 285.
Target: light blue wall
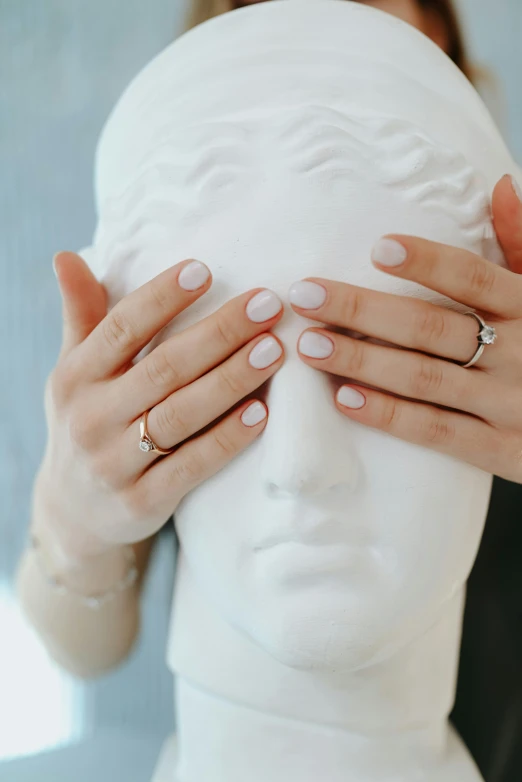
x: 494, y: 33
x: 62, y: 65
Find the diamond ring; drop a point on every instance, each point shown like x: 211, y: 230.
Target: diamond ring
x: 486, y: 336
x: 147, y: 444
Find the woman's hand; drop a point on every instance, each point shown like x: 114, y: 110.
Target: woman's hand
x: 96, y: 489
x: 474, y: 414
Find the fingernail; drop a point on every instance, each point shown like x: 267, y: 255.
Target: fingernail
x: 388, y: 252
x: 350, y: 397
x: 315, y: 345
x: 265, y: 353
x: 307, y: 295
x: 517, y: 188
x: 193, y: 276
x: 254, y: 414
x: 263, y: 306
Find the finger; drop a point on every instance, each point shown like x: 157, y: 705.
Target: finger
x: 84, y: 299
x: 138, y: 317
x: 507, y: 218
x: 169, y: 479
x: 190, y: 409
x: 194, y: 407
x: 186, y: 356
x: 456, y: 273
x: 400, y: 320
x: 411, y: 375
x: 455, y: 434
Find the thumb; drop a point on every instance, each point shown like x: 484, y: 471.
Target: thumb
x: 84, y: 298
x: 507, y: 217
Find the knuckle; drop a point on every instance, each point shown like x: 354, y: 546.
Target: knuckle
x: 225, y: 443
x: 390, y: 415
x: 83, y: 430
x: 429, y: 326
x: 171, y: 421
x: 480, y: 278
x: 438, y: 430
x: 356, y: 358
x: 226, y: 332
x: 161, y: 296
x: 161, y: 371
x: 232, y: 381
x: 352, y: 307
x: 427, y: 378
x: 117, y: 330
x: 187, y: 470
x: 60, y: 386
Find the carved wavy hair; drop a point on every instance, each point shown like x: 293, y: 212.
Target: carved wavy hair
x: 201, y: 10
x: 225, y: 159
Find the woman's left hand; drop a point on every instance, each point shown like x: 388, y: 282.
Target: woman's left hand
x: 474, y: 414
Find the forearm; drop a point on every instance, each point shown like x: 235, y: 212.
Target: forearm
x: 84, y: 640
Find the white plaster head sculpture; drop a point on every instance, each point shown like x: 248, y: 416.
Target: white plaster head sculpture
x: 275, y: 143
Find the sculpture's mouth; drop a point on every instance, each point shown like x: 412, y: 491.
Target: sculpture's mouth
x: 313, y: 529
x: 310, y: 538
x: 294, y: 562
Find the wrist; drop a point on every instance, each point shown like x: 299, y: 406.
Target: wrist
x: 92, y: 576
x: 69, y: 546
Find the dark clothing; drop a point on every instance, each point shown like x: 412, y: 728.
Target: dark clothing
x: 488, y: 709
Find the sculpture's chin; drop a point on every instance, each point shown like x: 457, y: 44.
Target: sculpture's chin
x: 315, y: 642
x: 317, y: 651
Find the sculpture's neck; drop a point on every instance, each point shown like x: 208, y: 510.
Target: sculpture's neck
x: 242, y: 715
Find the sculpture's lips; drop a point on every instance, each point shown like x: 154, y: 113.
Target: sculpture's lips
x: 292, y: 561
x: 310, y: 540
x: 294, y: 544
x: 317, y: 533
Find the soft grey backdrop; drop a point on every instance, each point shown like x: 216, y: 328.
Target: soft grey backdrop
x: 63, y: 63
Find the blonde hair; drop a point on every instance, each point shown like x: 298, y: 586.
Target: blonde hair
x: 201, y: 10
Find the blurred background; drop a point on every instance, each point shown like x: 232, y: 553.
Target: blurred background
x: 63, y: 63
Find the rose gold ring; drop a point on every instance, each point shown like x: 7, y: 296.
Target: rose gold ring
x: 147, y: 444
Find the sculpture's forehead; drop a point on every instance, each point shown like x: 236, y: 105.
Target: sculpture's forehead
x: 269, y: 238
x: 311, y: 188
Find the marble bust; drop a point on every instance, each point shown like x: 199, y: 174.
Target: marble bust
x: 321, y: 579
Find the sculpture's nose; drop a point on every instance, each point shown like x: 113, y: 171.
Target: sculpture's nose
x: 307, y: 450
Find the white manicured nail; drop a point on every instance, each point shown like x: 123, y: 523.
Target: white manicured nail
x: 350, y: 397
x: 315, y: 345
x: 307, y: 295
x: 254, y: 414
x: 388, y: 252
x: 193, y: 276
x: 263, y: 306
x: 517, y: 189
x: 265, y: 353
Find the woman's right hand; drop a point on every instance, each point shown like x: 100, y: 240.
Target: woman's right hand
x: 96, y: 489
